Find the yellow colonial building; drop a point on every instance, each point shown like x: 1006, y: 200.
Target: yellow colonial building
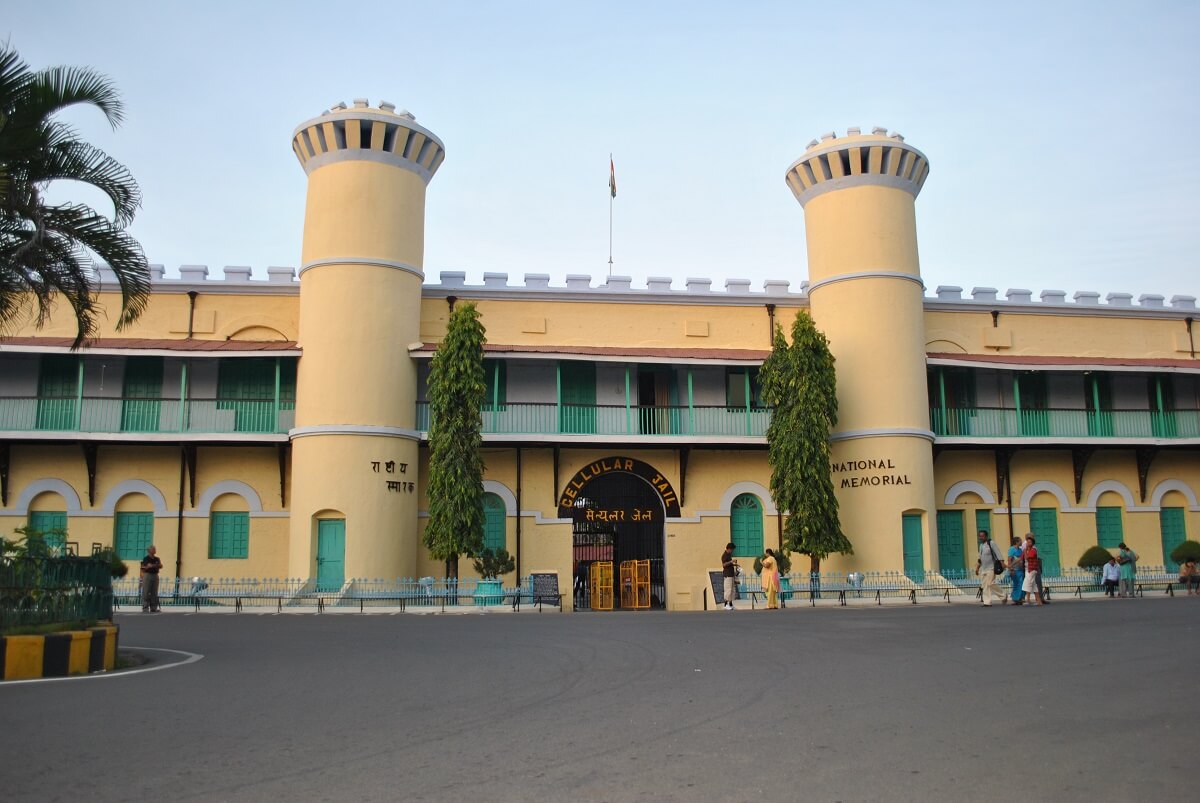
x: 277, y: 427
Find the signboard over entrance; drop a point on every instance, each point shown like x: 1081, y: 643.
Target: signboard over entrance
x: 626, y: 465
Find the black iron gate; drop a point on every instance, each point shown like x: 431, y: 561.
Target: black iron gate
x: 618, y: 517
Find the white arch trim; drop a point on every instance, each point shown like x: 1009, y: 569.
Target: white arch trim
x: 109, y: 505
x: 736, y: 490
x: 1052, y: 488
x: 1166, y: 486
x: 237, y: 487
x: 1115, y: 486
x: 968, y: 486
x: 48, y: 485
x: 500, y: 490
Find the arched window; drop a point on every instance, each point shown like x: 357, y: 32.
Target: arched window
x: 746, y: 526
x: 493, y: 522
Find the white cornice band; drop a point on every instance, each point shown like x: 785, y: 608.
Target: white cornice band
x: 883, y: 432
x: 371, y: 262
x: 355, y: 429
x: 867, y: 274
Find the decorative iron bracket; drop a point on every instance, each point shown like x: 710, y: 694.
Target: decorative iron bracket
x: 283, y: 449
x: 554, y: 489
x: 683, y: 461
x: 189, y: 457
x: 1003, y: 466
x: 4, y: 457
x: 1079, y: 460
x: 90, y: 451
x: 1145, y: 457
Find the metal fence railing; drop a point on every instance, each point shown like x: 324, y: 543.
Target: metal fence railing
x: 39, y: 591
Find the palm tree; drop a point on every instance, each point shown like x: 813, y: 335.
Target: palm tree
x: 48, y: 250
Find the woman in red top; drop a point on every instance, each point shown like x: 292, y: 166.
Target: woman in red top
x: 1033, y: 572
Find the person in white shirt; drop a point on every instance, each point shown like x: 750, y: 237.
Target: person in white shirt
x: 1112, y: 577
x: 986, y: 569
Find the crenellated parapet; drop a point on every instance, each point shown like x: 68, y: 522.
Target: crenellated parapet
x: 361, y: 132
x: 235, y: 278
x: 834, y: 163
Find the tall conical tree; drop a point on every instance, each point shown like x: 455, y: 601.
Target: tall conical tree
x: 48, y: 250
x: 456, y: 394
x: 799, y: 381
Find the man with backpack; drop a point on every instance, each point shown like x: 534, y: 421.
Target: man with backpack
x: 985, y: 567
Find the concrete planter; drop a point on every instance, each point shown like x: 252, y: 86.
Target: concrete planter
x: 489, y: 592
x: 54, y: 655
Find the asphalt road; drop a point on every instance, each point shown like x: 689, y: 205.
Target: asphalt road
x: 1076, y: 701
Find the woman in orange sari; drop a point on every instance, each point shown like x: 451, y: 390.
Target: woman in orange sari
x: 770, y: 580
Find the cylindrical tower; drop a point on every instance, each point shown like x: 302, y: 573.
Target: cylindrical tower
x: 354, y: 454
x: 865, y: 294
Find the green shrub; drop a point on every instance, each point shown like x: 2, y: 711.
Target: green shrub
x: 782, y: 560
x: 491, y: 565
x: 1188, y: 550
x: 1094, y: 557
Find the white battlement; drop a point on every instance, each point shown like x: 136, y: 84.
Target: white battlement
x: 241, y: 276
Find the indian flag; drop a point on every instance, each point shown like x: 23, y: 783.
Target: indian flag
x: 612, y: 178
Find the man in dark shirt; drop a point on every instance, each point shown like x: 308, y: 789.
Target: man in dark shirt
x: 729, y: 573
x: 151, y: 566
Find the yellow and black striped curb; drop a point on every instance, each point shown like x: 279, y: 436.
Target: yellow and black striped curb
x: 57, y: 655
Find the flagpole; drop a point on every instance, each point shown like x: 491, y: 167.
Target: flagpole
x: 612, y: 194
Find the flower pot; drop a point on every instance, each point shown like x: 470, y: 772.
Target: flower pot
x: 489, y: 592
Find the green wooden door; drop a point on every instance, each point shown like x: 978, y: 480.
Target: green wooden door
x: 914, y: 555
x: 1109, y: 532
x: 52, y: 524
x: 58, y: 386
x: 950, y: 541
x: 577, y: 397
x: 1043, y: 521
x: 133, y: 532
x: 1030, y: 392
x: 331, y: 554
x: 746, y: 526
x: 983, y: 521
x: 141, y: 394
x: 1174, y: 533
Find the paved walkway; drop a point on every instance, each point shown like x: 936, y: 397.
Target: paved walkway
x: 1081, y: 701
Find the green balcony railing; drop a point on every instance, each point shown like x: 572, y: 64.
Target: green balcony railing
x: 104, y: 415
x: 996, y: 422
x: 530, y: 418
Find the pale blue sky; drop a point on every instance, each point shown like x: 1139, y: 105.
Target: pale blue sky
x: 1057, y: 131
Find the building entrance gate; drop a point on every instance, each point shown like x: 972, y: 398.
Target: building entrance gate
x: 617, y: 517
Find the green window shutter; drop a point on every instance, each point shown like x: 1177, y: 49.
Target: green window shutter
x: 746, y: 526
x: 247, y: 386
x: 141, y: 394
x: 577, y: 399
x: 52, y: 524
x: 58, y: 385
x: 950, y: 541
x: 228, y: 534
x: 287, y: 384
x: 494, y: 520
x: 495, y: 373
x: 133, y: 532
x: 1108, y: 527
x: 1174, y: 533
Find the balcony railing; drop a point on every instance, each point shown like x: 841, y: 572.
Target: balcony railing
x: 532, y: 418
x: 996, y: 422
x: 114, y: 415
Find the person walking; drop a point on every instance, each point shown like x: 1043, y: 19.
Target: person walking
x: 1033, y: 570
x: 1127, y: 559
x: 1016, y: 570
x: 1189, y: 575
x: 729, y: 575
x: 985, y: 567
x: 1112, y: 576
x: 151, y: 566
x: 770, y: 580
